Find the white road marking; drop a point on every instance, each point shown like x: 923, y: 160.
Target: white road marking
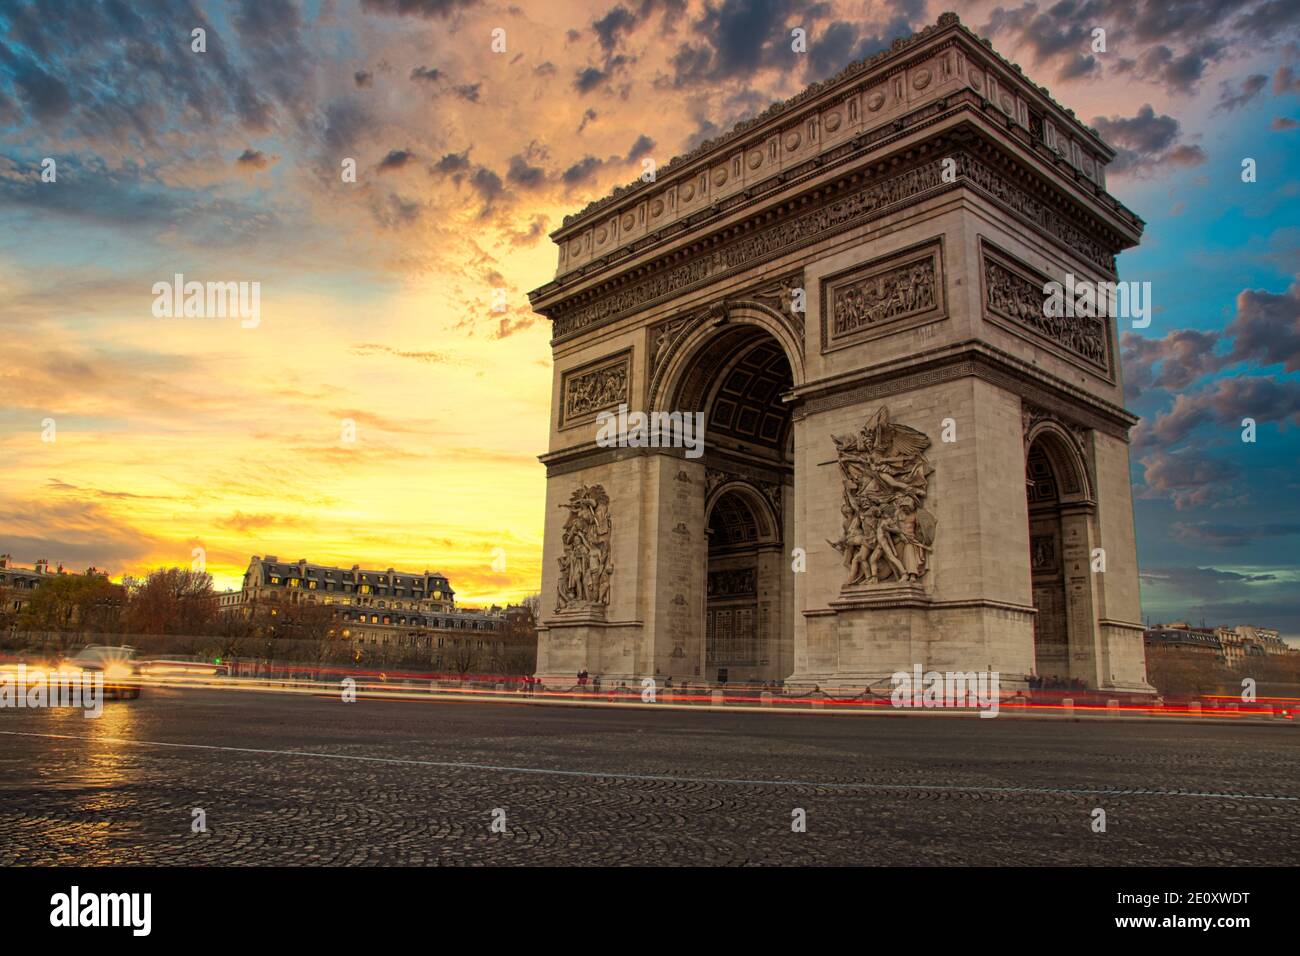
x: 665, y: 778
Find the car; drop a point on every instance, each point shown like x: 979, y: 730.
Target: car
x: 118, y: 665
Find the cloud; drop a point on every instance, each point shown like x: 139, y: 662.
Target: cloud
x: 396, y: 159
x: 533, y: 234
x: 588, y: 79
x: 1188, y: 478
x: 1197, y: 580
x: 1182, y: 356
x: 1264, y: 331
x: 1146, y: 143
x: 1177, y: 72
x: 452, y: 163
x: 524, y: 175
x: 429, y: 358
x: 1266, y: 328
x: 1225, y: 403
x: 76, y: 533
x: 428, y: 9
x: 611, y: 25
x: 1230, y: 535
x: 1055, y: 36
x: 392, y: 211
x: 643, y: 145
x: 1231, y: 99
x: 363, y: 79
x: 244, y: 523
x: 1285, y: 81
x: 252, y: 159
x: 582, y: 171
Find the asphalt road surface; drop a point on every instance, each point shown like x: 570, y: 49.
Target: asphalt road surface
x: 314, y: 781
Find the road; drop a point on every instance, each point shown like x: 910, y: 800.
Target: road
x: 314, y: 781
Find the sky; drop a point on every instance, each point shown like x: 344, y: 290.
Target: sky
x: 394, y: 311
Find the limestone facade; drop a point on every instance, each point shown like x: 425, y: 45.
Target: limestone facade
x: 849, y: 288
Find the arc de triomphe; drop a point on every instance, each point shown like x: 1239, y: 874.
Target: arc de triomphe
x: 906, y: 461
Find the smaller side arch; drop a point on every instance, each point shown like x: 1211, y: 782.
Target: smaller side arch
x: 769, y: 528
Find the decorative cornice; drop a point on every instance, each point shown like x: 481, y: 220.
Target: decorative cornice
x: 843, y: 204
x: 778, y: 108
x: 967, y: 359
x: 783, y: 107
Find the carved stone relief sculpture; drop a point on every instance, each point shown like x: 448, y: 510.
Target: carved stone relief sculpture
x: 587, y: 563
x: 868, y: 302
x: 589, y: 392
x: 888, y: 534
x: 1013, y: 296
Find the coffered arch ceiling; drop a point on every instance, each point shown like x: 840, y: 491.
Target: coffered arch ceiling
x: 738, y: 380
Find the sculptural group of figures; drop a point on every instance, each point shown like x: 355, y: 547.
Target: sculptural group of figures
x: 1022, y: 300
x: 888, y: 534
x: 586, y: 564
x: 885, y: 296
x: 598, y: 389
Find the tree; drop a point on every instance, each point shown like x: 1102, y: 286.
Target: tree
x: 74, y: 603
x: 534, y: 605
x: 300, y: 621
x: 462, y: 657
x: 171, y: 601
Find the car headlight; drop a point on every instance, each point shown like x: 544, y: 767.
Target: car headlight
x: 117, y: 672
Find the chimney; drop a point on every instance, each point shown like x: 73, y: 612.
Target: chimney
x: 4, y: 560
x: 42, y: 565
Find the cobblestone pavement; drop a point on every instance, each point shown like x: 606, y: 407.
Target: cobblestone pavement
x: 374, y: 783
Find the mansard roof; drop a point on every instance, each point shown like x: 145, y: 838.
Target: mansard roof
x: 357, y: 575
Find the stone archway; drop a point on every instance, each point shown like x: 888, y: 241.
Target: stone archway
x: 1061, y: 524
x: 849, y: 291
x: 737, y: 373
x: 744, y: 582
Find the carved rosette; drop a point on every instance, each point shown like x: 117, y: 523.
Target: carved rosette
x: 888, y: 534
x: 587, y: 563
